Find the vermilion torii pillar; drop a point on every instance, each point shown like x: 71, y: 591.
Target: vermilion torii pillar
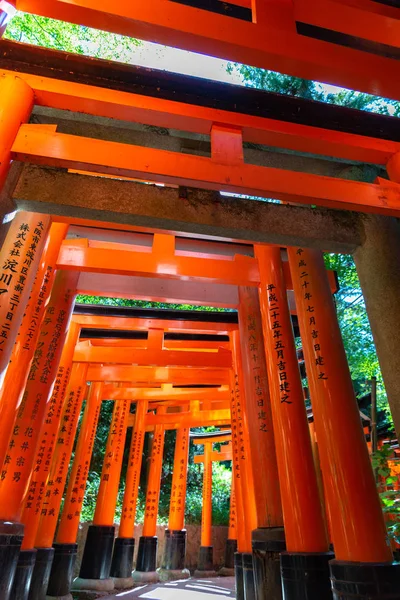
x: 19, y: 460
x: 19, y: 262
x: 173, y: 563
x: 35, y: 498
x: 306, y: 538
x: 362, y: 553
x: 205, y: 566
x: 55, y: 483
x: 146, y: 561
x: 124, y: 546
x: 18, y: 368
x: 16, y: 105
x: 65, y: 547
x: 243, y: 475
x: 231, y: 543
x: 97, y: 555
x: 268, y: 538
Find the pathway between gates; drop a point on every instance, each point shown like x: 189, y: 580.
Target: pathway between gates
x: 185, y: 589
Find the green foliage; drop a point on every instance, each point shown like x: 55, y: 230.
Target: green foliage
x: 312, y: 90
x: 42, y: 31
x: 390, y: 497
x: 143, y: 303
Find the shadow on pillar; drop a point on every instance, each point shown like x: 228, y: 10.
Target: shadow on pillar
x: 122, y: 562
x: 41, y: 573
x: 228, y: 570
x: 146, y: 561
x: 367, y: 581
x: 173, y: 562
x: 11, y: 535
x: 62, y: 571
x: 239, y: 576
x: 96, y: 560
x: 268, y: 543
x: 305, y: 576
x: 23, y: 575
x: 205, y: 565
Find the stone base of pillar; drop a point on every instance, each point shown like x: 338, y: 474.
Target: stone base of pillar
x: 305, y: 576
x: 172, y: 574
x: 205, y: 574
x: 248, y: 576
x: 268, y: 543
x: 23, y: 574
x: 122, y: 559
x: 145, y: 576
x: 372, y: 581
x: 81, y: 584
x: 123, y: 583
x: 206, y: 560
x: 225, y: 572
x: 11, y: 535
x: 175, y: 550
x: 146, y: 560
x: 62, y: 570
x: 41, y: 573
x: 97, y: 555
x: 239, y: 576
x: 230, y: 549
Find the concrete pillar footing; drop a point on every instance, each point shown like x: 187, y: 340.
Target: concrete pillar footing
x: 97, y: 585
x: 145, y: 576
x: 226, y: 572
x: 204, y: 574
x: 173, y: 574
x: 123, y: 583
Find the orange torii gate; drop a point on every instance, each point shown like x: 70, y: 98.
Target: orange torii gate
x: 97, y: 557
x: 353, y: 43
x: 205, y: 567
x: 224, y: 454
x: 267, y: 503
x: 292, y: 45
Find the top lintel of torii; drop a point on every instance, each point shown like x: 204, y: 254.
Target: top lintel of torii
x: 350, y: 43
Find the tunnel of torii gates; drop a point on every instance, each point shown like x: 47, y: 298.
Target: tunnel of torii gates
x: 82, y: 143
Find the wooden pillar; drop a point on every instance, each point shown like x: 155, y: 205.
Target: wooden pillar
x: 46, y: 444
x: 147, y: 551
x: 124, y: 546
x: 352, y: 494
x: 231, y: 542
x: 62, y: 455
x: 305, y: 531
x: 19, y: 460
x: 175, y: 535
x: 17, y: 371
x: 97, y: 555
x: 205, y: 563
x: 268, y: 538
x: 242, y: 470
x: 35, y: 499
x: 65, y: 546
x: 19, y: 262
x: 15, y: 108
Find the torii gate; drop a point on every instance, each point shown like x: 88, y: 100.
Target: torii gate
x: 224, y: 454
x: 348, y: 43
